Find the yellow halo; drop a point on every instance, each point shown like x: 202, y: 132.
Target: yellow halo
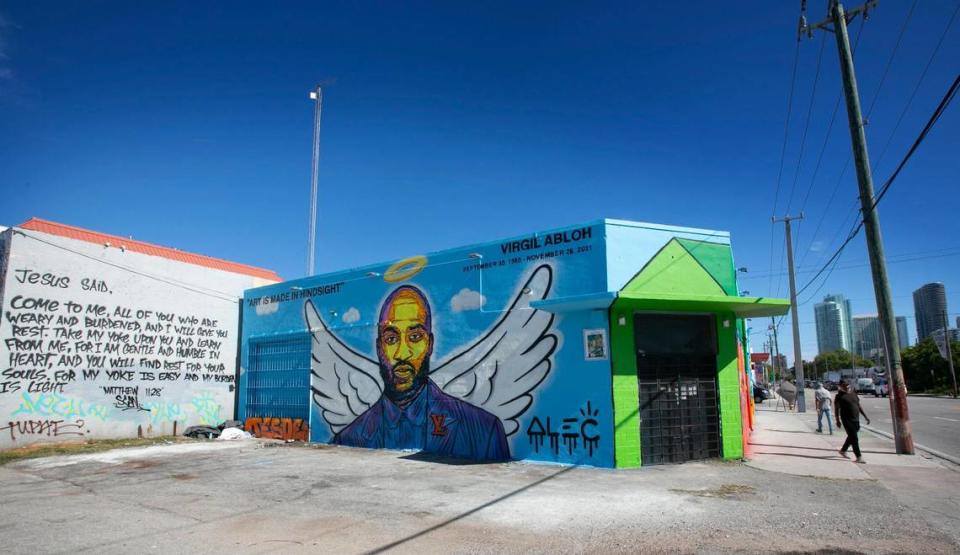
x: 405, y: 269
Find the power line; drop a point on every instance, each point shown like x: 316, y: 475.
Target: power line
x: 876, y: 95
x: 907, y: 317
x: 948, y: 97
x: 822, y: 283
x: 803, y: 142
x: 783, y: 151
x: 916, y: 87
x: 846, y: 164
x: 896, y: 47
x: 823, y: 149
x: 806, y: 125
x: 902, y: 258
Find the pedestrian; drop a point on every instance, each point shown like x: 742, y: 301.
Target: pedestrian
x: 824, y: 407
x: 848, y: 410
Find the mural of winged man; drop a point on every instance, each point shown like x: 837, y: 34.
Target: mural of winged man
x: 464, y: 406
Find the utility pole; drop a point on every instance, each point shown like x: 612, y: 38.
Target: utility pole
x: 317, y: 96
x: 797, y: 359
x: 902, y: 430
x: 768, y: 347
x: 946, y: 339
x: 776, y: 349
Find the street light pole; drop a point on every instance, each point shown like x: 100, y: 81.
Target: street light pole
x: 317, y: 96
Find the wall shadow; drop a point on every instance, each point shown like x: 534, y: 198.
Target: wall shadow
x: 465, y: 514
x: 421, y: 456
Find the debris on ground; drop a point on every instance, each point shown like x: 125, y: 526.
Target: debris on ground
x: 233, y: 434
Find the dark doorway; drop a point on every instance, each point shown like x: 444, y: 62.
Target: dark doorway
x: 677, y: 375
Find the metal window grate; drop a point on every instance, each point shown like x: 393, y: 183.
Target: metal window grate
x: 679, y: 420
x: 677, y: 379
x: 278, y: 379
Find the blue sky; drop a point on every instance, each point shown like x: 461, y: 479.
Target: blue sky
x: 189, y: 125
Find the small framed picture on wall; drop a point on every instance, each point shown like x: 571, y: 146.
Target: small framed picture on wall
x: 595, y: 344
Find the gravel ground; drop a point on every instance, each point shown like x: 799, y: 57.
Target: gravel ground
x: 262, y: 498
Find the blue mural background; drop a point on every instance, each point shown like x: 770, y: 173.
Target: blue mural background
x: 455, y: 281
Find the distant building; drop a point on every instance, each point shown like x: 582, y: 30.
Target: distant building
x: 867, y: 336
x: 834, y: 324
x: 930, y: 306
x: 954, y: 335
x: 903, y: 334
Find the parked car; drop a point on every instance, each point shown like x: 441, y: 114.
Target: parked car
x: 865, y: 385
x: 881, y: 389
x: 831, y: 386
x: 761, y: 393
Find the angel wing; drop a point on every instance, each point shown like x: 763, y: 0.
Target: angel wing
x: 343, y: 382
x: 499, y: 371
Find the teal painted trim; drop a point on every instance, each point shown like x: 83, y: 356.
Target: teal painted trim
x: 593, y: 301
x: 720, y: 235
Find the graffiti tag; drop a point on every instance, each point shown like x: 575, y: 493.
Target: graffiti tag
x: 50, y: 428
x: 56, y: 405
x: 278, y: 428
x: 573, y: 432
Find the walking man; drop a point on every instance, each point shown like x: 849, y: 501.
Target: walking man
x: 824, y: 404
x: 848, y: 410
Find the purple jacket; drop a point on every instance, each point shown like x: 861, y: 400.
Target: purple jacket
x: 433, y: 422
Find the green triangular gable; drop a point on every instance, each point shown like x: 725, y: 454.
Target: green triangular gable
x: 674, y: 271
x: 715, y: 259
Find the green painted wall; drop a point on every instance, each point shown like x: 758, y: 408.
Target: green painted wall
x: 728, y: 384
x: 674, y: 270
x: 717, y: 260
x: 626, y: 392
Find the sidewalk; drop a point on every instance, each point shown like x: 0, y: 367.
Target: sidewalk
x: 787, y: 442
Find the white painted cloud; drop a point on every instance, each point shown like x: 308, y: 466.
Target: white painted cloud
x: 264, y: 309
x: 817, y: 246
x: 467, y: 300
x: 351, y: 315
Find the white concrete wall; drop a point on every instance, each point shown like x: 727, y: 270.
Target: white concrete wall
x: 98, y: 342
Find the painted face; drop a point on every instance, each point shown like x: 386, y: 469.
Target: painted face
x: 404, y: 341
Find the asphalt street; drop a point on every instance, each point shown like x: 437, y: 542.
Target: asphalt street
x: 936, y: 420
x: 243, y: 497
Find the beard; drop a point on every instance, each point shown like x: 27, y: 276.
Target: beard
x: 391, y: 380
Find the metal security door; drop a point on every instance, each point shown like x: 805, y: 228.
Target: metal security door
x: 677, y: 378
x: 278, y: 380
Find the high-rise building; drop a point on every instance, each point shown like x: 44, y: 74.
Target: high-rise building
x: 867, y: 337
x: 930, y: 308
x: 834, y: 324
x: 903, y: 334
